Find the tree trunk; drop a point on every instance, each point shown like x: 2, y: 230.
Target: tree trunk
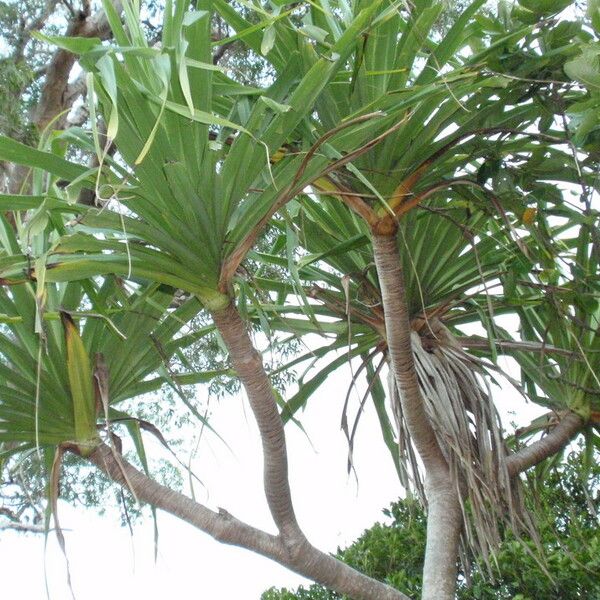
x: 249, y: 368
x: 444, y: 524
x: 444, y: 519
x: 301, y: 555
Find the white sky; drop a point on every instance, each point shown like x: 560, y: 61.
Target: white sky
x: 106, y: 562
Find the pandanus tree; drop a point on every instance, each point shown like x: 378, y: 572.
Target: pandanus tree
x: 367, y: 117
x: 448, y: 207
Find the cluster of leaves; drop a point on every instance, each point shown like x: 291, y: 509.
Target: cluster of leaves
x: 566, y: 508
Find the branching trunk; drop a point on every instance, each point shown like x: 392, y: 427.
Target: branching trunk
x: 304, y: 559
x: 220, y: 525
x: 444, y: 520
x: 301, y: 556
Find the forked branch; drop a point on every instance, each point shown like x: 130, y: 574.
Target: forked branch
x: 295, y: 553
x: 220, y: 525
x: 301, y: 556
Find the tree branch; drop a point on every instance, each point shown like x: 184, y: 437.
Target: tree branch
x: 223, y: 527
x: 568, y: 427
x: 220, y: 525
x: 301, y: 555
x: 398, y: 331
x: 23, y: 527
x: 249, y: 367
x: 53, y: 100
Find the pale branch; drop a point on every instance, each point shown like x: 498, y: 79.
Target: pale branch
x: 249, y: 367
x: 12, y: 521
x: 444, y: 520
x: 220, y: 525
x: 567, y: 428
x: 15, y: 178
x: 23, y: 527
x: 54, y: 91
x: 76, y: 89
x: 38, y: 22
x: 303, y: 558
x: 9, y: 514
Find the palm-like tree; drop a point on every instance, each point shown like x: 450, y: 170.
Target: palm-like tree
x: 184, y: 214
x: 442, y: 159
x: 370, y: 109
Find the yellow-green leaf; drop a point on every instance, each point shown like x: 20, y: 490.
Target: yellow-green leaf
x: 79, y: 369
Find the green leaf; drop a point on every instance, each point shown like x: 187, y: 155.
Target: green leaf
x: 586, y: 67
x: 268, y: 40
x: 198, y: 64
x: 38, y: 222
x: 80, y: 374
x: 545, y: 7
x: 16, y: 152
x: 106, y: 69
x: 199, y: 116
x: 19, y: 202
x: 76, y: 45
x: 593, y: 13
x: 315, y: 33
x: 275, y: 106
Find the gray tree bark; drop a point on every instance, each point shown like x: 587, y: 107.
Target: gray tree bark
x: 224, y: 527
x: 302, y: 556
x: 444, y: 518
